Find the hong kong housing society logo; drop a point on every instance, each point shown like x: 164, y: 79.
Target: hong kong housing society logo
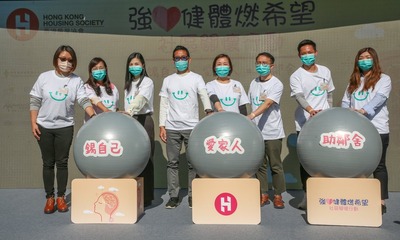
x: 22, y: 24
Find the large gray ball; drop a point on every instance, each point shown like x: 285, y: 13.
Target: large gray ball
x: 111, y: 145
x: 226, y: 145
x: 339, y: 142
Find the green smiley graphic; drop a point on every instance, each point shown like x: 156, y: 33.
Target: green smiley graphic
x: 59, y: 97
x: 361, y: 95
x: 257, y: 102
x: 317, y: 91
x: 109, y: 104
x: 227, y: 99
x: 129, y: 99
x: 178, y: 95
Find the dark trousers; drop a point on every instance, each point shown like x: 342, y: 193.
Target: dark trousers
x: 303, y: 174
x: 272, y: 157
x: 148, y: 173
x: 55, y: 145
x: 380, y: 172
x: 175, y: 139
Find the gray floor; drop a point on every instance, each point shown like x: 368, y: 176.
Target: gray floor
x: 22, y: 218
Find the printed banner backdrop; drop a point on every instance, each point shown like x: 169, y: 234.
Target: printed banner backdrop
x: 26, y: 53
x: 189, y: 18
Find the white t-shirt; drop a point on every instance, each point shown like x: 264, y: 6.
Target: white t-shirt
x: 182, y: 93
x: 358, y: 99
x: 146, y: 89
x: 315, y: 87
x: 270, y: 122
x: 58, y: 95
x: 231, y: 95
x: 110, y: 101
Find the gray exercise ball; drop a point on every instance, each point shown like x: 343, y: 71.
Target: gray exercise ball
x: 339, y: 142
x: 111, y: 145
x: 226, y: 145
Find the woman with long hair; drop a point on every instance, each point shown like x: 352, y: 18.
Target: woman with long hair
x: 139, y: 93
x: 367, y: 93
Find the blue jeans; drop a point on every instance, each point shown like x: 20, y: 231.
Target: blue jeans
x: 175, y: 139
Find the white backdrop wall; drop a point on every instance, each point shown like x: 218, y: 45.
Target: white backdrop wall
x: 22, y: 61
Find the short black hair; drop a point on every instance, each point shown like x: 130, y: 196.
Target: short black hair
x: 306, y: 42
x: 179, y: 47
x: 268, y: 55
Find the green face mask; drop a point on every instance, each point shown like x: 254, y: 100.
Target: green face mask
x: 135, y: 70
x: 263, y: 70
x: 181, y: 65
x: 222, y: 71
x: 365, y: 64
x: 308, y: 59
x: 99, y: 75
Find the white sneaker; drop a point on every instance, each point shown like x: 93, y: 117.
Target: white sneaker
x: 303, y: 204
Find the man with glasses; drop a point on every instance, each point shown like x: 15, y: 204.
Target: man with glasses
x: 179, y: 113
x: 265, y: 93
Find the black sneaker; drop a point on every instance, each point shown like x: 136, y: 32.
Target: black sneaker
x: 172, y: 203
x: 190, y: 202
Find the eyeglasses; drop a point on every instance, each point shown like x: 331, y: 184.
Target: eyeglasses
x: 182, y: 58
x: 262, y: 63
x: 62, y: 59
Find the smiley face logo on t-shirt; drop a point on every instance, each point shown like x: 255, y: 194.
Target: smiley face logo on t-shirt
x: 257, y: 101
x: 108, y: 103
x: 59, y: 95
x: 180, y: 95
x: 361, y: 95
x: 228, y: 101
x: 318, y: 91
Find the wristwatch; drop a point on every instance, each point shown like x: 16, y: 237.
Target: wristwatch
x: 207, y: 111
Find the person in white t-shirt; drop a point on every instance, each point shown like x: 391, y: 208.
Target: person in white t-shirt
x: 138, y: 102
x: 179, y: 113
x: 312, y: 86
x: 52, y: 100
x: 103, y: 95
x: 225, y: 93
x: 265, y: 93
x: 367, y: 93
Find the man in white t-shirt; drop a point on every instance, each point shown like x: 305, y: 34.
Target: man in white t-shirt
x: 179, y: 113
x: 312, y: 86
x: 265, y: 93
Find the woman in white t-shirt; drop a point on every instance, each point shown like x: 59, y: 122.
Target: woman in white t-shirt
x: 52, y: 101
x: 225, y: 93
x: 138, y: 102
x: 103, y: 95
x: 367, y: 93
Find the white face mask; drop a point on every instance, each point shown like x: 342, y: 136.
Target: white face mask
x: 64, y: 66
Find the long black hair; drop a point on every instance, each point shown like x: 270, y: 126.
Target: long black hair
x: 129, y: 76
x: 92, y: 82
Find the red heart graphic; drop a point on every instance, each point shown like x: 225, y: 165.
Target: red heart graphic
x: 166, y: 19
